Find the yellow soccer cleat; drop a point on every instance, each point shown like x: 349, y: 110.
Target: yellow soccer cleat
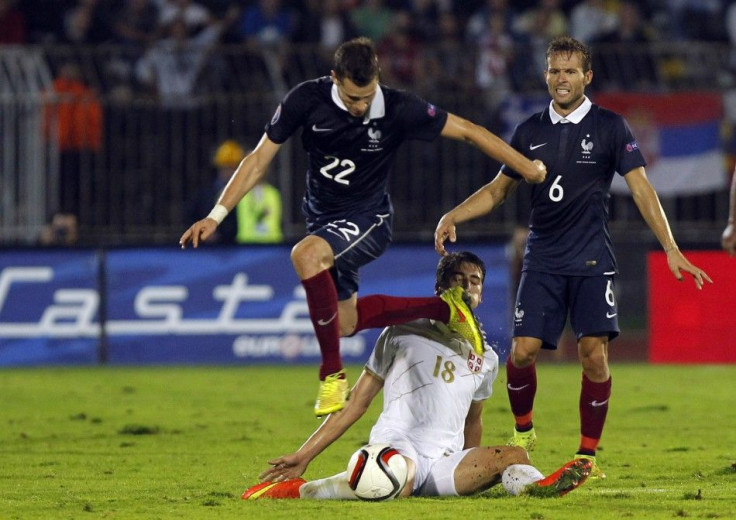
x: 526, y: 440
x: 595, y: 472
x: 333, y: 392
x: 462, y: 319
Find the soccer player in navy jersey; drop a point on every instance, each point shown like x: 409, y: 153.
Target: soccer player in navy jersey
x: 569, y: 264
x: 351, y: 128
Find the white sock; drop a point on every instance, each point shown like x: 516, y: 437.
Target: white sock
x: 517, y: 477
x: 334, y: 487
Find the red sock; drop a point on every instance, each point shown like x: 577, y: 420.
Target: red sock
x: 378, y: 310
x: 593, y: 410
x: 322, y: 303
x: 521, y: 387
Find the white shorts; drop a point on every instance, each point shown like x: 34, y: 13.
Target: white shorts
x: 434, y: 476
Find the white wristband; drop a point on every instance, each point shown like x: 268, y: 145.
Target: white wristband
x: 218, y: 213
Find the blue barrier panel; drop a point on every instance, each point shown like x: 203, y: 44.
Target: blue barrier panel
x: 246, y: 305
x: 49, y: 307
x: 213, y: 305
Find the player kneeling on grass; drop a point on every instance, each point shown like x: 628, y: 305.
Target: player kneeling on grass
x: 434, y: 385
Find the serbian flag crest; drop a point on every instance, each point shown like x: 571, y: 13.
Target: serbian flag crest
x: 679, y: 136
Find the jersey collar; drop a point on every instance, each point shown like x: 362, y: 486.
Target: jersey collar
x: 575, y: 116
x: 376, y: 110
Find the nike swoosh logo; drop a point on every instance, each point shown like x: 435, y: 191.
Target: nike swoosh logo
x: 596, y: 404
x: 535, y: 146
x: 315, y: 129
x: 610, y: 314
x: 516, y: 388
x: 327, y: 322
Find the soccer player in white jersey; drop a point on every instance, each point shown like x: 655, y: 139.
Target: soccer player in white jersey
x: 434, y: 385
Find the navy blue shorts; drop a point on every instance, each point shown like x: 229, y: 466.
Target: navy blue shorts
x: 544, y: 301
x: 355, y: 242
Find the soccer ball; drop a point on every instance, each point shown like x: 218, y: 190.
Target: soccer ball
x: 377, y: 472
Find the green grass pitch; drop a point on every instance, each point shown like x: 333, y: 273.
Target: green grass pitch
x: 181, y: 442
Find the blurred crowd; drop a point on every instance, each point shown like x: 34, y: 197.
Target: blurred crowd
x: 185, y: 53
x: 165, y: 46
x: 330, y: 21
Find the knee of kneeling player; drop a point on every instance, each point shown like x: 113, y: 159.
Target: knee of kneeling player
x: 514, y: 455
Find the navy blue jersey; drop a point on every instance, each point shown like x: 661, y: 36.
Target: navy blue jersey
x: 350, y: 158
x: 569, y: 217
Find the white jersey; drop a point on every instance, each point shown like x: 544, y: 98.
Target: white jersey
x: 431, y: 376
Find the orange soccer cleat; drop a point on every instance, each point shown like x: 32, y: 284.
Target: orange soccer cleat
x: 564, y: 480
x: 286, y: 489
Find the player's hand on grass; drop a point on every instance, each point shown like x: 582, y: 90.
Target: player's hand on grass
x: 284, y: 468
x: 677, y: 263
x: 199, y: 231
x: 445, y: 230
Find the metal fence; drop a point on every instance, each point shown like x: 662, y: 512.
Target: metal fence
x: 25, y: 157
x: 156, y: 150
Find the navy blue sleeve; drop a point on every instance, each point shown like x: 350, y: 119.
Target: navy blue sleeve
x: 289, y: 116
x: 627, y: 154
x: 422, y: 120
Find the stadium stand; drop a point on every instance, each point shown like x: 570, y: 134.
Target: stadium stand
x: 475, y: 58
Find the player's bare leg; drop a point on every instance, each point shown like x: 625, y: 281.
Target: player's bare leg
x: 482, y: 467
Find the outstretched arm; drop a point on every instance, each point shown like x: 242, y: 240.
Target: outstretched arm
x: 474, y: 425
x: 479, y: 203
x: 250, y: 170
x: 650, y: 208
x: 493, y: 146
x: 295, y: 464
x: 728, y: 240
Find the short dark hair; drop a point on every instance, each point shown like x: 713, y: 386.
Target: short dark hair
x: 357, y: 60
x: 568, y: 45
x: 449, y: 265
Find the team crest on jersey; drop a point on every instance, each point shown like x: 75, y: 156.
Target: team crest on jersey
x: 374, y: 134
x: 586, y: 149
x: 475, y: 362
x: 518, y: 315
x: 587, y: 146
x: 276, y: 115
x: 374, y: 140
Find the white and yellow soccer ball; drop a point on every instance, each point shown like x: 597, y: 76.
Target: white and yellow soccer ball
x: 377, y: 472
